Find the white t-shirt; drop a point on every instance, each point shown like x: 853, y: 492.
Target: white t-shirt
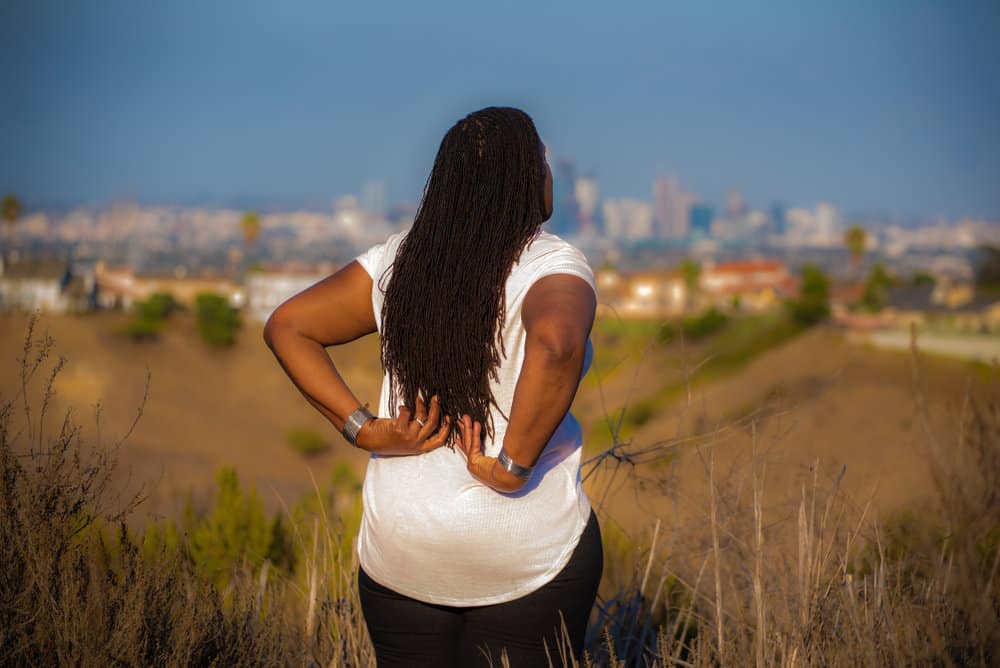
x: 430, y: 530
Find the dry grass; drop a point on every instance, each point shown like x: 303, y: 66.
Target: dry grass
x: 740, y: 578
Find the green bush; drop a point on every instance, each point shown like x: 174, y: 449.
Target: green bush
x: 142, y: 329
x: 639, y: 413
x: 236, y: 532
x: 875, y: 295
x: 159, y: 306
x: 149, y: 317
x: 695, y: 328
x: 218, y: 322
x: 307, y: 442
x: 813, y: 304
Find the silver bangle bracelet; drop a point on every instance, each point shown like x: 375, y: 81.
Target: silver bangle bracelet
x: 355, y: 421
x: 522, y: 472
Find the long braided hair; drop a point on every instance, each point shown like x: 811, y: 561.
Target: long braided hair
x: 443, y: 311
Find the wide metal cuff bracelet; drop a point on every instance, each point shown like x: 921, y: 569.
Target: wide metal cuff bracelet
x: 522, y: 472
x: 355, y: 421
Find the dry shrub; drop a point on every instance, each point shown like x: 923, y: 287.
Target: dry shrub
x: 819, y: 583
x: 822, y: 582
x: 75, y: 589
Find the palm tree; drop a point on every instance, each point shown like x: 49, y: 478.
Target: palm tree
x: 251, y: 227
x: 691, y: 271
x: 10, y: 209
x: 856, y: 239
x: 251, y: 230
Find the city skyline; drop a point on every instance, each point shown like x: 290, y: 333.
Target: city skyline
x: 887, y: 109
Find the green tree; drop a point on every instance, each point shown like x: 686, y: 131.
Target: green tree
x: 251, y: 230
x: 159, y: 306
x: 876, y: 295
x: 855, y: 239
x: 923, y: 278
x: 149, y: 317
x: 691, y: 271
x: 813, y: 304
x: 236, y: 531
x: 218, y: 322
x: 251, y: 227
x: 987, y: 271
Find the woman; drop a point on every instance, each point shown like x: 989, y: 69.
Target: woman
x: 488, y: 548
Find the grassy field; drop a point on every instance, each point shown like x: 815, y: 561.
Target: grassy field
x: 799, y: 501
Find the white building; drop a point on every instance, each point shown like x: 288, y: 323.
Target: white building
x: 267, y: 290
x: 45, y: 284
x: 586, y: 192
x: 627, y: 219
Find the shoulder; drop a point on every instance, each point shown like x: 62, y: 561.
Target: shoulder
x: 376, y: 258
x: 548, y: 254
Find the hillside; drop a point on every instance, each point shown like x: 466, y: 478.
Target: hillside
x: 819, y: 398
x: 837, y: 402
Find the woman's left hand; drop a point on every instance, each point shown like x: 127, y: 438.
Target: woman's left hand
x: 483, y: 468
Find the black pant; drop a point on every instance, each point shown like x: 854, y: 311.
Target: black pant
x: 407, y: 632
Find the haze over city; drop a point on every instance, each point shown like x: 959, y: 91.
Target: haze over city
x: 885, y: 108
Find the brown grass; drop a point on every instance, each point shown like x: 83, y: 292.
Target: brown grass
x: 728, y: 575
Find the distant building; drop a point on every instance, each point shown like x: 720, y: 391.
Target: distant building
x: 736, y: 206
x: 827, y: 223
x: 565, y: 219
x: 701, y: 218
x: 586, y: 193
x: 647, y: 294
x: 266, y: 290
x: 122, y: 287
x: 348, y: 218
x: 756, y: 284
x: 627, y: 219
x: 778, y: 221
x: 47, y: 284
x: 945, y: 307
x: 671, y: 208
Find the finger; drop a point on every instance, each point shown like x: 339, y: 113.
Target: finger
x: 440, y: 437
x: 420, y: 414
x: 465, y: 434
x: 474, y: 445
x: 431, y: 420
x: 403, y: 418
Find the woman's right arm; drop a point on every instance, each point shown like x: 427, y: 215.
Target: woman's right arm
x: 334, y: 311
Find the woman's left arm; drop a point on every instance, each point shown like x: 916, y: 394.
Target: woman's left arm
x: 333, y: 311
x: 558, y: 313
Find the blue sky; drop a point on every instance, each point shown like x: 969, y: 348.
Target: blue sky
x: 889, y: 106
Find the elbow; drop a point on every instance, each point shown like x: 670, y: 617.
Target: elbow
x: 558, y: 349
x: 274, y: 322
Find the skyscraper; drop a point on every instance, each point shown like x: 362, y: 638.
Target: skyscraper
x: 701, y: 220
x: 586, y: 194
x: 736, y: 206
x: 778, y: 218
x: 565, y: 211
x: 827, y: 223
x: 671, y: 207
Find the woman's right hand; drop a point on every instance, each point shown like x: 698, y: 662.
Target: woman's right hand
x: 406, y: 434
